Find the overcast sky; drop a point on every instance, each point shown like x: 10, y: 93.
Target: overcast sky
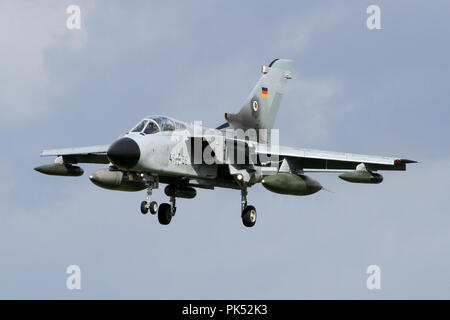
x: 382, y: 92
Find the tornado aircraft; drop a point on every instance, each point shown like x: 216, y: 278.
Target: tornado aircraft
x: 238, y: 154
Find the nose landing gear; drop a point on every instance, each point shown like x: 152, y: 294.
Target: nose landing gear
x: 147, y: 205
x: 153, y: 207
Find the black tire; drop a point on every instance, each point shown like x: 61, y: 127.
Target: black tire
x: 249, y: 216
x: 164, y: 213
x: 144, y: 208
x: 153, y: 207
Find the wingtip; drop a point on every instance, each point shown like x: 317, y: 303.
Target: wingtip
x: 406, y: 161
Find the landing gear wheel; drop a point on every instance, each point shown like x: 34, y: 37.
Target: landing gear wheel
x: 153, y: 207
x: 249, y: 216
x: 164, y: 213
x: 144, y: 208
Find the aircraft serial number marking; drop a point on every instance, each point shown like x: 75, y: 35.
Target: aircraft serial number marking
x: 178, y: 159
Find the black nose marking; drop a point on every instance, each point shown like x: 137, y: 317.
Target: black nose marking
x: 124, y: 153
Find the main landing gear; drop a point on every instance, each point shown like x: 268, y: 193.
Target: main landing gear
x: 248, y: 213
x: 167, y: 211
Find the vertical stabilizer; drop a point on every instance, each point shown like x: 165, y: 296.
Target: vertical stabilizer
x: 260, y: 108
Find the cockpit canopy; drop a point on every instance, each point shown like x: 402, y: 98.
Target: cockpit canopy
x: 155, y: 124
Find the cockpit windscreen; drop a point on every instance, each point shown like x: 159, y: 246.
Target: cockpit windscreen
x: 140, y: 126
x: 158, y: 123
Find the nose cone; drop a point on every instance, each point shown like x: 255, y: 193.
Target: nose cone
x: 124, y: 153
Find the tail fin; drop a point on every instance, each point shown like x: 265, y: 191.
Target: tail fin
x: 260, y: 108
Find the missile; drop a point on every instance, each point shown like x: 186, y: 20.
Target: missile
x: 292, y: 184
x: 180, y: 192
x: 117, y: 180
x: 362, y: 176
x: 60, y: 169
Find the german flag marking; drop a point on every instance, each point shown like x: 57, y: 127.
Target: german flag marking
x: 264, y: 92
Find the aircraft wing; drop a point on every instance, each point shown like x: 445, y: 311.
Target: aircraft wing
x: 91, y: 154
x: 329, y: 161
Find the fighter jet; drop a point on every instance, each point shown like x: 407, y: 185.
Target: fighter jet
x: 237, y: 154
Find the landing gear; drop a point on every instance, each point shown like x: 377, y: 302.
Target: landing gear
x: 153, y: 207
x: 248, y: 213
x: 165, y: 213
x: 146, y: 205
x: 249, y: 216
x: 173, y: 205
